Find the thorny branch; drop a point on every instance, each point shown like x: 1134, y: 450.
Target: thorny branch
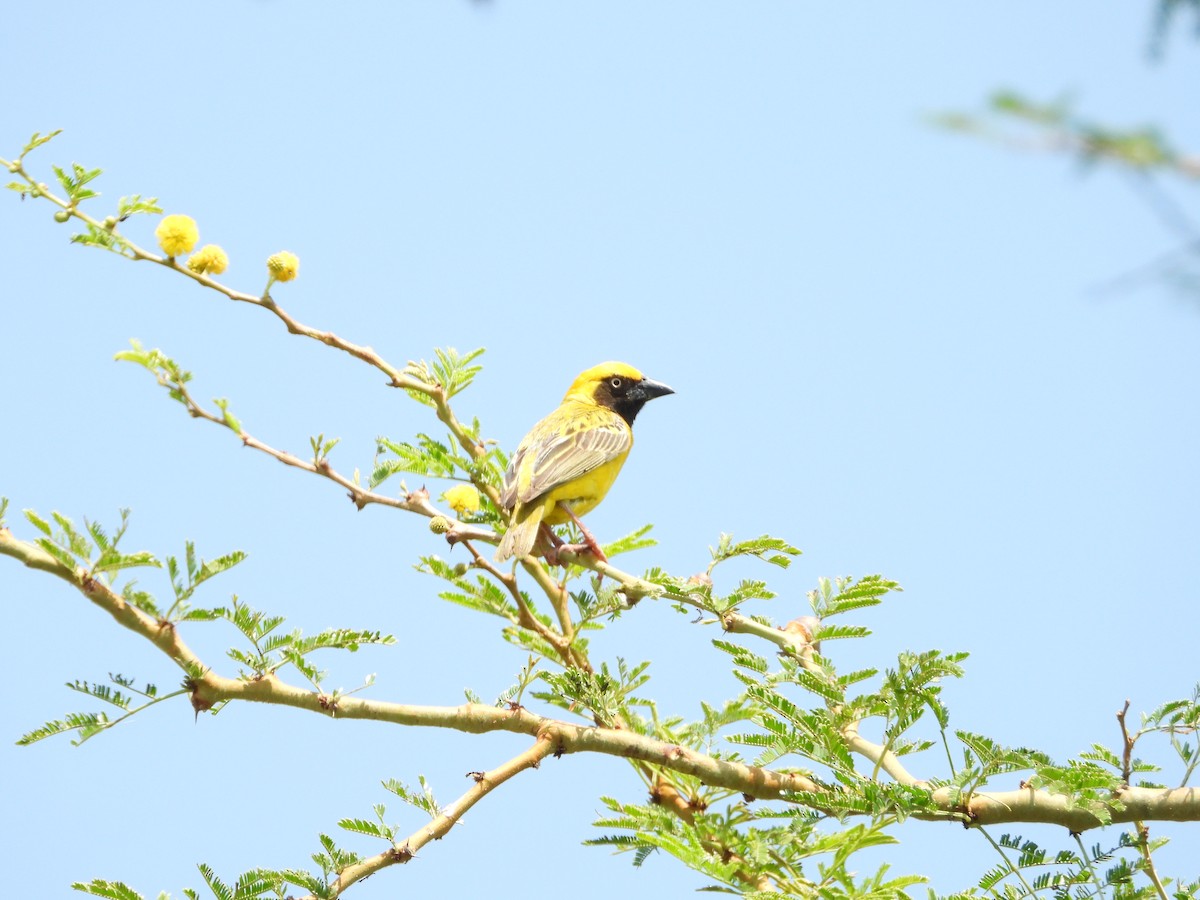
x: 403, y: 851
x: 207, y: 688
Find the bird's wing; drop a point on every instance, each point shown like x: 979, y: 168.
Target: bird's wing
x: 556, y: 452
x: 567, y: 457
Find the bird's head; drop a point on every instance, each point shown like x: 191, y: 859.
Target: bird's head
x: 618, y: 387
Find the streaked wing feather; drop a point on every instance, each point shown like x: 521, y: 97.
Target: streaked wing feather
x: 508, y: 489
x: 564, y: 457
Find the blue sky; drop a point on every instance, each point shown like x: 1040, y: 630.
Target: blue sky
x: 886, y: 342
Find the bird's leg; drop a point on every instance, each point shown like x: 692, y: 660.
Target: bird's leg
x: 551, y: 541
x: 589, y: 542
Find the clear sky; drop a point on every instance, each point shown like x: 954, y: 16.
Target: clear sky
x: 886, y: 342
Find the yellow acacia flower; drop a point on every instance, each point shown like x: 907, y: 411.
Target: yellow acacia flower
x: 177, y: 234
x: 463, y: 498
x: 283, y: 266
x: 208, y: 260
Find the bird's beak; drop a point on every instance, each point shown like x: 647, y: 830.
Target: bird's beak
x: 650, y: 389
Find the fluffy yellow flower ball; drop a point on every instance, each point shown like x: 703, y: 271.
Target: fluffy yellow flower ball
x: 283, y: 266
x: 463, y: 498
x: 177, y: 234
x: 208, y: 260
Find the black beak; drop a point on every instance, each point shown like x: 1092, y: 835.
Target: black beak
x: 649, y: 389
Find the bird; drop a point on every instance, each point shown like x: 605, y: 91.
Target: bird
x: 565, y: 465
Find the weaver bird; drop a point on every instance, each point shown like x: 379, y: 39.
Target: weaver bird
x: 563, y: 468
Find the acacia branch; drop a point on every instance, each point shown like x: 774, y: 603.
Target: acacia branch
x: 880, y: 755
x: 397, y: 378
x: 526, y: 617
x: 1026, y: 805
x: 446, y: 819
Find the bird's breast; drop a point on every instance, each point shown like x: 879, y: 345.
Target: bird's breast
x: 584, y: 493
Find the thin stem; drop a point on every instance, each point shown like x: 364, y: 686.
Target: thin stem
x: 1143, y: 834
x: 555, y: 592
x: 1087, y: 863
x: 949, y: 755
x: 416, y: 501
x: 879, y: 754
x: 525, y: 615
x: 444, y: 821
x: 1127, y: 743
x: 209, y: 688
x: 129, y: 713
x: 1011, y: 868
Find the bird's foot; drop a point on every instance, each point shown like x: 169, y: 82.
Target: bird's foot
x: 587, y: 547
x: 589, y: 543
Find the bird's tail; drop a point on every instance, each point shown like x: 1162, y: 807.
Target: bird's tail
x: 522, y: 533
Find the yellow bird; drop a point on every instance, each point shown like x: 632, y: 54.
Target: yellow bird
x: 565, y: 465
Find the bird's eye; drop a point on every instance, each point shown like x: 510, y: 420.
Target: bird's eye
x: 616, y: 382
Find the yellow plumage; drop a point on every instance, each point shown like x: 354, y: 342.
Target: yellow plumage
x: 566, y: 464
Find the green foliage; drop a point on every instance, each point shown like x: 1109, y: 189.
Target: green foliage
x: 166, y: 371
x: 698, y: 590
x: 802, y: 857
x: 772, y: 550
x: 135, y: 205
x: 271, y: 652
x: 476, y: 592
x: 99, y: 237
x: 333, y: 859
x: 38, y: 140
x: 1028, y: 869
x: 635, y: 540
x: 249, y: 886
x: 422, y: 799
x: 229, y: 419
x: 513, y: 694
x: 842, y: 595
x: 87, y: 725
x: 377, y: 829
x: 437, y: 459
x: 450, y: 372
x: 197, y: 571
x: 29, y: 188
x: 1178, y: 719
x: 1085, y: 785
x: 605, y: 696
x: 849, y: 735
x: 74, y: 181
x: 1056, y: 124
x: 112, y: 890
x: 321, y: 448
x: 427, y: 457
x: 90, y: 547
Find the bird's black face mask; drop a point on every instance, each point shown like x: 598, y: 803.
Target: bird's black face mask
x: 626, y: 397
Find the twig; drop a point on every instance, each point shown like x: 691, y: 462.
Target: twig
x: 526, y: 618
x: 208, y: 688
x: 1029, y: 891
x: 403, y: 851
x: 1143, y: 833
x: 1127, y: 743
x: 1087, y: 863
x: 415, y: 501
x: 880, y: 755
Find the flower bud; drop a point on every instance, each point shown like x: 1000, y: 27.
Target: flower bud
x: 283, y: 266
